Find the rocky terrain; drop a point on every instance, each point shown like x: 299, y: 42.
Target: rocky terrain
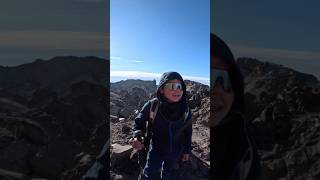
x: 53, y: 119
x: 284, y: 108
x: 126, y: 99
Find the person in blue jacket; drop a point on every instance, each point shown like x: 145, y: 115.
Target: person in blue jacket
x: 171, y: 138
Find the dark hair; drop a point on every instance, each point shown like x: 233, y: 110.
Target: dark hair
x: 218, y: 48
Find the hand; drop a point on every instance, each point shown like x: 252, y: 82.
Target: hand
x: 136, y: 144
x: 185, y: 157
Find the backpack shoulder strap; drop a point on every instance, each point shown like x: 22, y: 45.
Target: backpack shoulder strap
x: 186, y: 114
x: 153, y: 109
x: 149, y: 123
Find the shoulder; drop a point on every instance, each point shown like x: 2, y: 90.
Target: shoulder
x: 153, y: 101
x: 146, y: 106
x: 188, y: 113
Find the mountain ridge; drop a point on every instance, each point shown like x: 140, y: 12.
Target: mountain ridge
x: 56, y: 73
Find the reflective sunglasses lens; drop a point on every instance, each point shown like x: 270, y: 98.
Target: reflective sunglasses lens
x: 222, y: 77
x: 173, y: 86
x: 178, y: 86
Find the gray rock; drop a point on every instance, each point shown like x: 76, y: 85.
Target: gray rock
x: 119, y: 155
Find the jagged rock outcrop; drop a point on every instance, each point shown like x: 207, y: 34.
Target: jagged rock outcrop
x: 128, y: 96
x: 127, y: 168
x: 128, y: 85
x: 56, y: 74
x: 53, y: 120
x: 54, y: 117
x: 195, y: 93
x: 283, y: 106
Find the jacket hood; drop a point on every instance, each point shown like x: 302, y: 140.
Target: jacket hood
x: 167, y: 76
x: 218, y: 48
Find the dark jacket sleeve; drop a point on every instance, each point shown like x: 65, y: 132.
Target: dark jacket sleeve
x: 142, y: 118
x: 255, y: 171
x: 188, y: 135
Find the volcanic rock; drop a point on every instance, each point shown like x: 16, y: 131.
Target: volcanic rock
x: 283, y: 106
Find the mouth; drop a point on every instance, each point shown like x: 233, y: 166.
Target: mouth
x: 176, y: 96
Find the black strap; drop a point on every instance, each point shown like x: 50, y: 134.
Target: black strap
x: 154, y: 103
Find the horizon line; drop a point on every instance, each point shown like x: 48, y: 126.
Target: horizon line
x: 141, y: 75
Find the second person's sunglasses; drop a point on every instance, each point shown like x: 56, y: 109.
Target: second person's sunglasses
x: 221, y: 76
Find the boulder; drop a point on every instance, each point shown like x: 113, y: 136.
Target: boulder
x: 16, y: 156
x: 119, y: 154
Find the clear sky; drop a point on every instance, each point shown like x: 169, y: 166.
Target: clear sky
x: 283, y: 32
x: 46, y: 28
x: 148, y: 38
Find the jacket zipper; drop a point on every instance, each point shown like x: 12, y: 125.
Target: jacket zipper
x: 170, y: 136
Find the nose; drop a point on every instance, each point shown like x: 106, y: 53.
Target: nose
x: 217, y: 89
x: 216, y: 93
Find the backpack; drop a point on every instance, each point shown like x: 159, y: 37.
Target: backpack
x: 142, y: 155
x: 152, y: 115
x: 154, y: 109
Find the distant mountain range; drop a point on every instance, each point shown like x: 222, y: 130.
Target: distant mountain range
x: 57, y: 73
x: 128, y: 85
x: 53, y: 117
x: 283, y: 106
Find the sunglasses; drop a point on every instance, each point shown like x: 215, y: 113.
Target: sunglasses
x: 222, y: 77
x: 173, y: 86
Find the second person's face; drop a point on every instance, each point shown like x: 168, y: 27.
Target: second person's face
x: 222, y: 95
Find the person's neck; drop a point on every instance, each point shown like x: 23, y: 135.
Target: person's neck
x: 172, y: 102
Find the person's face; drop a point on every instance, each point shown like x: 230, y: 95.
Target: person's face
x: 222, y: 95
x: 171, y: 94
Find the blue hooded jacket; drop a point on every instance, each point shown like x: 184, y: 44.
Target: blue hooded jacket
x: 168, y: 121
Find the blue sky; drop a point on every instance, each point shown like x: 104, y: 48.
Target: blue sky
x: 282, y: 32
x: 45, y: 28
x: 148, y: 38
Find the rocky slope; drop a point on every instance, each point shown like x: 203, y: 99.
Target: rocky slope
x: 284, y: 108
x: 52, y: 117
x: 127, y: 100
x: 53, y: 120
x: 56, y: 74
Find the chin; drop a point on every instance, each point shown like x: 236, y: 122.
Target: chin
x: 175, y: 99
x: 215, y: 121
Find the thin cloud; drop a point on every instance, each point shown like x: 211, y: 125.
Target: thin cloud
x: 303, y: 61
x: 115, y: 57
x: 269, y: 53
x: 151, y: 76
x: 134, y: 74
x: 60, y: 40
x: 138, y: 61
x: 202, y: 80
x: 128, y: 60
